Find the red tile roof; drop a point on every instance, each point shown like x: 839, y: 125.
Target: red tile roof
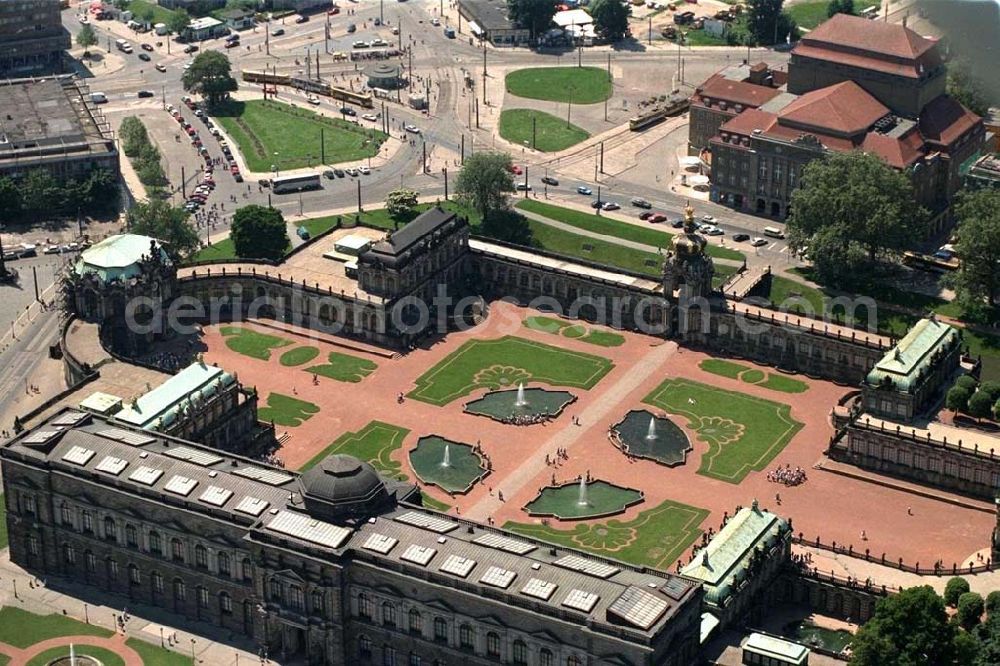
x: 844, y: 108
x: 748, y: 121
x: 898, y: 153
x: 875, y: 37
x: 718, y: 87
x: 944, y: 120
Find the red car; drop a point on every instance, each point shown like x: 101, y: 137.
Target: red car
x: 208, y: 181
x: 657, y: 218
x: 332, y: 12
x: 234, y: 168
x: 516, y: 170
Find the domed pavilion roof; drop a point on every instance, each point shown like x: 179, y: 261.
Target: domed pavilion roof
x: 342, y: 486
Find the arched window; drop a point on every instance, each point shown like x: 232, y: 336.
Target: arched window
x: 545, y: 657
x: 493, y: 644
x: 388, y: 614
x: 366, y: 607
x: 247, y: 569
x: 440, y: 630
x: 573, y: 660
x: 318, y: 603
x: 465, y: 639
x: 520, y: 652
x: 180, y: 592
x: 110, y: 529
x: 200, y: 557
x: 296, y: 599
x: 416, y: 622
x: 225, y: 603
x: 69, y: 553
x: 131, y: 538
x: 202, y: 597
x: 364, y: 647
x: 415, y: 659
x: 177, y: 550
x: 133, y: 575
x: 157, y: 582
x: 155, y: 546
x: 91, y: 562
x: 224, y: 564
x: 388, y: 655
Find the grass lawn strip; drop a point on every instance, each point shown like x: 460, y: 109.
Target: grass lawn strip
x: 286, y: 410
x: 153, y: 655
x: 539, y: 130
x: 743, y: 432
x: 4, y: 659
x: 104, y: 656
x: 578, y: 85
x: 298, y: 356
x: 576, y: 331
x: 752, y: 376
x: 273, y: 133
x: 374, y: 443
x: 218, y: 251
x: 591, y: 336
x: 251, y: 343
x: 344, y: 368
x: 784, y: 384
x: 724, y: 368
x: 605, y: 226
x: 656, y: 537
x: 604, y: 338
x: 504, y: 362
x: 432, y: 503
x: 598, y: 251
x: 545, y: 324
x: 23, y: 629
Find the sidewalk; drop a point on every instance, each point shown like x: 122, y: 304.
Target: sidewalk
x: 88, y: 604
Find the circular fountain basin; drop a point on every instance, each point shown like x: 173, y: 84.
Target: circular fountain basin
x: 540, y: 405
x: 669, y: 447
x: 601, y: 499
x: 79, y: 660
x: 465, y: 467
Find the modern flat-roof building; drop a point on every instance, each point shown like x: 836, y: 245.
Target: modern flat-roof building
x: 32, y: 37
x: 204, y: 28
x: 336, y: 565
x: 488, y: 19
x: 52, y: 124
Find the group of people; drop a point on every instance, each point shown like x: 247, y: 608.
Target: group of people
x: 787, y: 475
x: 272, y: 459
x: 524, y: 419
x: 168, y: 361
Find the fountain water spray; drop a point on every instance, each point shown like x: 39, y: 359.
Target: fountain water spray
x: 446, y: 461
x: 521, y: 401
x: 582, y: 501
x: 651, y: 431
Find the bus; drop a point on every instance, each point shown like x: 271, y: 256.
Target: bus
x: 282, y: 184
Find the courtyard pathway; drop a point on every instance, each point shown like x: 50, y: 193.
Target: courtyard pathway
x: 116, y: 644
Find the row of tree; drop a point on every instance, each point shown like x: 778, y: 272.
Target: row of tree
x: 977, y: 400
x: 146, y: 158
x: 40, y: 195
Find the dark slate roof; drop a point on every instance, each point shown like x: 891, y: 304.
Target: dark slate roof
x: 397, y: 248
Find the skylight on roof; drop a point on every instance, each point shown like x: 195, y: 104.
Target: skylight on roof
x: 638, y: 607
x: 501, y: 542
x: 146, y: 475
x: 302, y: 526
x: 78, y: 455
x: 426, y: 521
x: 180, y: 485
x: 203, y: 458
x: 458, y: 565
x: 69, y: 418
x: 380, y: 543
x: 126, y: 436
x: 418, y: 554
x: 587, y: 566
x: 111, y: 465
x: 251, y: 506
x: 216, y: 496
x: 264, y: 475
x: 498, y: 577
x: 580, y: 600
x: 538, y: 588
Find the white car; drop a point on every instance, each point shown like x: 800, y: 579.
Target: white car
x: 412, y: 129
x: 435, y: 21
x: 312, y: 99
x: 365, y: 170
x: 360, y: 44
x: 708, y: 219
x: 713, y: 230
x: 351, y: 171
x: 758, y: 241
x: 369, y: 116
x: 379, y: 42
x: 83, y: 19
x: 610, y: 205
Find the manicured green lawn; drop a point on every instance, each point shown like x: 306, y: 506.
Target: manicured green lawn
x: 753, y: 376
x: 298, y: 356
x: 374, y: 443
x: 605, y: 226
x: 218, y: 251
x: 344, y: 368
x: 105, y: 657
x: 22, y: 629
x: 432, y: 503
x: 656, y: 537
x: 777, y: 382
x: 503, y: 363
x: 3, y: 523
x: 604, y: 338
x: 272, y: 133
x: 140, y: 7
x: 4, y: 659
x: 318, y: 225
x: 153, y: 655
x: 286, y: 410
x: 598, y: 251
x: 717, y: 366
x: 539, y: 130
x: 575, y: 331
x: 567, y: 330
x: 579, y: 85
x: 545, y: 324
x: 743, y: 433
x: 251, y: 343
x: 702, y: 38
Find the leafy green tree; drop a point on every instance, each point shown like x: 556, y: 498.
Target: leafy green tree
x: 399, y: 203
x: 10, y: 200
x: 977, y: 281
x: 178, y: 22
x: 852, y: 210
x: 966, y: 87
x: 970, y: 609
x: 39, y: 190
x: 210, y: 76
x: 987, y: 635
x: 739, y: 32
x: 991, y: 388
x: 980, y: 405
x: 610, y: 19
x: 840, y: 7
x: 957, y: 399
x: 534, y: 15
x: 509, y: 226
x: 259, y: 232
x: 158, y: 219
x: 992, y: 604
x: 953, y: 589
x: 910, y: 628
x: 86, y: 38
x: 768, y: 23
x: 484, y: 182
x: 968, y: 382
x: 146, y: 16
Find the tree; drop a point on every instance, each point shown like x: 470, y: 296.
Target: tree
x: 966, y: 87
x: 977, y: 281
x: 957, y: 399
x: 484, y: 181
x: 39, y: 190
x: 953, y: 589
x: 535, y: 15
x: 988, y: 636
x: 908, y: 628
x: 853, y: 211
x: 210, y: 76
x: 400, y: 202
x: 178, y: 22
x: 992, y: 604
x: 970, y: 609
x: 158, y: 219
x: 86, y: 38
x: 840, y: 7
x: 610, y: 19
x: 980, y: 405
x: 768, y: 23
x: 10, y: 200
x: 259, y: 232
x: 146, y: 16
x: 967, y: 382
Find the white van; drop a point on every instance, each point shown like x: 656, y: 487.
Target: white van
x: 774, y: 232
x: 98, y: 98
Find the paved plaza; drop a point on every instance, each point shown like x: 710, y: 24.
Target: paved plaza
x: 833, y: 506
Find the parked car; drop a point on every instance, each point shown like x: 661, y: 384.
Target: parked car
x: 582, y: 189
x: 645, y: 215
x: 516, y: 170
x: 364, y: 170
x: 708, y: 219
x: 339, y: 173
x: 639, y: 202
x: 147, y: 47
x: 351, y: 171
x: 312, y: 99
x: 379, y: 42
x: 329, y: 174
x: 610, y: 205
x: 360, y: 44
x: 758, y: 241
x: 238, y: 177
x: 145, y: 93
x: 412, y: 129
x: 657, y: 218
x: 370, y: 116
x: 144, y: 57
x: 277, y: 32
x: 523, y: 187
x: 232, y: 43
x: 348, y: 111
x: 741, y: 238
x: 301, y: 18
x: 713, y: 230
x: 160, y: 67
x: 190, y: 48
x: 351, y: 28
x: 549, y: 180
x: 435, y: 21
x: 596, y: 203
x: 677, y: 223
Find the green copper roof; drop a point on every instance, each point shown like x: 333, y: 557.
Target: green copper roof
x: 722, y: 564
x: 159, y: 407
x: 117, y: 257
x: 905, y: 362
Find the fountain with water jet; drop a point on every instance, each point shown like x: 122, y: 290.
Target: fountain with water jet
x: 521, y: 400
x: 651, y: 430
x: 582, y: 499
x: 446, y: 459
x: 642, y: 434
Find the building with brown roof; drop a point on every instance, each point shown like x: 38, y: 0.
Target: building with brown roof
x: 725, y: 95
